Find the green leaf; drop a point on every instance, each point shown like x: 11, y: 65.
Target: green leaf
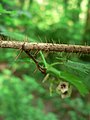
x: 74, y: 80
x: 2, y: 10
x: 85, y: 68
x: 16, y: 36
x: 71, y: 78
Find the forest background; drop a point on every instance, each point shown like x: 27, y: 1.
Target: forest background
x: 23, y: 95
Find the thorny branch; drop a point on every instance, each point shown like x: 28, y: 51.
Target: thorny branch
x: 46, y: 47
x: 26, y: 47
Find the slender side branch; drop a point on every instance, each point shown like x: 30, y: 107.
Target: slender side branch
x: 46, y: 47
x: 43, y: 70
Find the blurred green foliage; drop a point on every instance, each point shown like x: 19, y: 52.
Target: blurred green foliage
x: 22, y: 93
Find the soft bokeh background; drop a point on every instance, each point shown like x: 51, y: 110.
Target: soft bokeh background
x: 22, y: 93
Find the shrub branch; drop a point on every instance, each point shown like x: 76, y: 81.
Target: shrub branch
x: 46, y: 47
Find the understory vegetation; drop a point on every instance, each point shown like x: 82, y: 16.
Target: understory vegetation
x: 63, y: 92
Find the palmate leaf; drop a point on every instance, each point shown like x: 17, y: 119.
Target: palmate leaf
x: 76, y: 81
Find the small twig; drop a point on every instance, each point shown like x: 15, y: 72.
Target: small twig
x: 43, y: 70
x: 18, y: 54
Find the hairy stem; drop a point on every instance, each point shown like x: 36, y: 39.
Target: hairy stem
x: 46, y: 47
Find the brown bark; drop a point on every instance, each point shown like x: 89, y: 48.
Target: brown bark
x: 45, y: 47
